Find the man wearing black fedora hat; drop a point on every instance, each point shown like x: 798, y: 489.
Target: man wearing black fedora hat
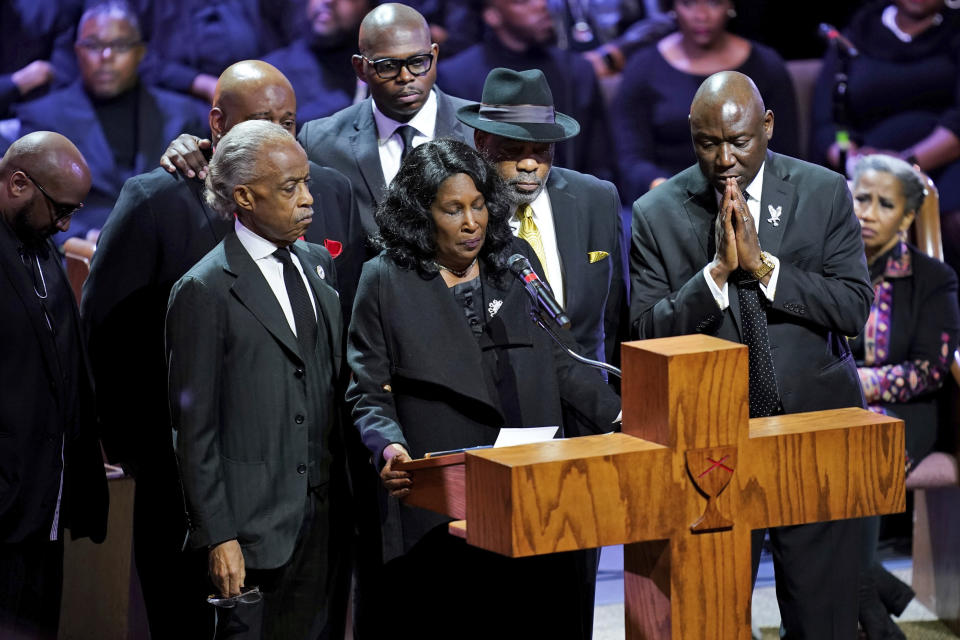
x: 572, y: 219
x: 522, y: 36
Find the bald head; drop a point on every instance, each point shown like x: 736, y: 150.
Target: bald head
x: 52, y: 161
x: 401, y: 85
x: 727, y: 88
x: 252, y: 90
x: 388, y: 22
x: 730, y: 128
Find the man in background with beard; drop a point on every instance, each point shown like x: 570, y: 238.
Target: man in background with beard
x: 51, y: 470
x: 574, y: 216
x: 318, y: 64
x: 571, y: 219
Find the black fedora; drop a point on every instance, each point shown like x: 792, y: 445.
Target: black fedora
x: 518, y: 105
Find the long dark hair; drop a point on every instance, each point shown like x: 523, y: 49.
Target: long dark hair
x: 407, y: 230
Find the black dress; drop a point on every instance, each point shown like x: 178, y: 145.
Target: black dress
x: 898, y: 92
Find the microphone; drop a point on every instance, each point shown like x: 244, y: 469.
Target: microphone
x: 540, y: 293
x: 830, y: 33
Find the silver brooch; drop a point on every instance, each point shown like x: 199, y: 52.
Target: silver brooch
x: 321, y: 272
x: 775, y: 214
x: 494, y: 306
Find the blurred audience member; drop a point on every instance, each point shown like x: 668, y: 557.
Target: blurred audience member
x: 193, y: 41
x: 36, y: 48
x: 609, y: 31
x: 119, y: 124
x: 318, y: 64
x: 650, y: 114
x: 902, y: 97
x: 521, y: 36
x: 454, y: 24
x: 367, y: 141
x: 50, y: 462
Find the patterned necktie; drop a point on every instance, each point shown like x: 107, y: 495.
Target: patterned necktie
x: 529, y: 232
x: 764, y: 396
x: 303, y: 316
x: 406, y: 135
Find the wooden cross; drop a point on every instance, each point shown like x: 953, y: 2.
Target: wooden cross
x: 681, y: 487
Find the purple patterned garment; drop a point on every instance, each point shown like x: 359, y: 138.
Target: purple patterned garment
x: 901, y: 381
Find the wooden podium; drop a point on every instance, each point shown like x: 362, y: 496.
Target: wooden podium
x: 682, y: 486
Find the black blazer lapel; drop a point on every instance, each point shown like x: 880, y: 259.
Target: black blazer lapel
x: 81, y: 121
x: 700, y: 209
x: 149, y: 131
x: 19, y: 278
x: 328, y: 306
x: 254, y: 293
x: 571, y: 239
x: 777, y: 207
x: 363, y: 142
x: 450, y: 356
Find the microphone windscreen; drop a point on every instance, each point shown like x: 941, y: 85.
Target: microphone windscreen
x: 517, y: 263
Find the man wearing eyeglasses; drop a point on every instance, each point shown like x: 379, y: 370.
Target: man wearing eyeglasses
x: 120, y: 124
x: 51, y: 470
x: 367, y: 141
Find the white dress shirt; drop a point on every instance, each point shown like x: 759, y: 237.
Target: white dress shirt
x: 753, y: 194
x: 389, y: 142
x: 261, y: 250
x: 543, y: 217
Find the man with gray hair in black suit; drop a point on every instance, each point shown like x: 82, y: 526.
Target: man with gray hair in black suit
x: 254, y: 350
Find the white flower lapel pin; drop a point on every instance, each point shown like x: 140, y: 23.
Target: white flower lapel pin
x: 494, y: 306
x: 321, y: 272
x: 775, y: 214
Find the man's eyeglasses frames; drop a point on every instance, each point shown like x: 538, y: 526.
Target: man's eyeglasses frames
x: 60, y: 210
x: 389, y: 68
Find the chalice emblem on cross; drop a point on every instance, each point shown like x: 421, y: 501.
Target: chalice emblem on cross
x: 711, y: 470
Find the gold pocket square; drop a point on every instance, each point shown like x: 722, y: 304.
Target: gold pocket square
x: 597, y: 256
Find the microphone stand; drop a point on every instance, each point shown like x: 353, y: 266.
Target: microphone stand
x: 840, y: 118
x: 538, y: 319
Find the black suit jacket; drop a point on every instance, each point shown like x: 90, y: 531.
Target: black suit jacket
x: 347, y: 141
x: 32, y: 416
x: 237, y: 398
x: 161, y: 116
x: 446, y: 388
x: 823, y: 292
x: 586, y: 218
x: 924, y: 324
x: 159, y: 229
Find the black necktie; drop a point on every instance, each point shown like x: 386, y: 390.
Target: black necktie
x: 406, y: 135
x: 303, y: 316
x: 764, y: 396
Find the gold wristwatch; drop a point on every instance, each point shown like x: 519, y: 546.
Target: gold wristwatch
x: 766, y: 266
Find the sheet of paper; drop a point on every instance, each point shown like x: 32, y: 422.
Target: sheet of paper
x: 510, y: 436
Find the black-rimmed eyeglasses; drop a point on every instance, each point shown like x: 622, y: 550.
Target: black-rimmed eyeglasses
x: 116, y: 46
x: 248, y: 596
x: 389, y: 68
x: 60, y: 210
